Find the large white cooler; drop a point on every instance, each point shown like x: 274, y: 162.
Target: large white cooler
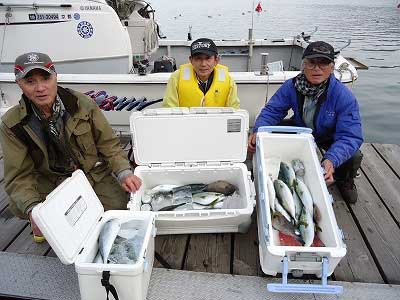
x: 71, y: 218
x: 289, y: 143
x: 198, y: 145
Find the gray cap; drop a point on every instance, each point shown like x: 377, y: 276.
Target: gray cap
x: 30, y: 61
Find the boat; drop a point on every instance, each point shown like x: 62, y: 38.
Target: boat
x: 115, y: 46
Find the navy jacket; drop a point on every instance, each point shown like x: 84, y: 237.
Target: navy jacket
x: 337, y: 121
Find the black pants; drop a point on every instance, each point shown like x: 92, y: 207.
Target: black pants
x: 346, y: 170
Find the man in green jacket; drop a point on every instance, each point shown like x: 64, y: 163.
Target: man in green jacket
x: 51, y: 133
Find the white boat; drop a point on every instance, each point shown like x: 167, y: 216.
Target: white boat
x: 95, y: 48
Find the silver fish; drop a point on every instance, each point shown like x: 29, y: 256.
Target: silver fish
x: 98, y: 259
x: 282, y: 211
x: 307, y: 228
x: 271, y: 193
x: 287, y: 175
x: 304, y: 195
x: 298, y: 205
x: 208, y: 198
x: 285, y: 197
x: 280, y: 223
x: 107, y: 236
x: 298, y: 167
x: 221, y: 186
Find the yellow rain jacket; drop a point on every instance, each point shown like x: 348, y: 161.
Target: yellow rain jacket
x: 183, y: 89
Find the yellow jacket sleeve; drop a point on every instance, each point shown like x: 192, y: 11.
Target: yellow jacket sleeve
x: 233, y: 99
x: 171, y: 98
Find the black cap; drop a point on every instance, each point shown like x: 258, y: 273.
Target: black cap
x: 203, y: 46
x: 319, y: 49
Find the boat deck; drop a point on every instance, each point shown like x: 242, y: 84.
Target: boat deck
x: 371, y: 228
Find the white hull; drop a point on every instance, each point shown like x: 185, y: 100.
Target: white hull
x: 93, y: 50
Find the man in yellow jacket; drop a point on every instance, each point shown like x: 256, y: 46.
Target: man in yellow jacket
x: 203, y: 81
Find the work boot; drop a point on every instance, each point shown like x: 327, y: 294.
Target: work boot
x: 348, y: 190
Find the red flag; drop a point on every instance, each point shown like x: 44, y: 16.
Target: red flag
x: 258, y: 8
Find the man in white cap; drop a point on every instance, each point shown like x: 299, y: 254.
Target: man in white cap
x: 203, y: 81
x: 51, y: 133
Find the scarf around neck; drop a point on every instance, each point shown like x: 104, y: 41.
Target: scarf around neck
x: 308, y: 89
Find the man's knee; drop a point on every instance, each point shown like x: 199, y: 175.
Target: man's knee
x: 110, y: 193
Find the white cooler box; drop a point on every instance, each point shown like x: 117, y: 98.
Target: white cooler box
x: 290, y: 143
x: 199, y: 145
x: 71, y: 219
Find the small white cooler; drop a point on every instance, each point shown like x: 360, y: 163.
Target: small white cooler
x: 71, y: 218
x: 181, y: 146
x: 290, y: 143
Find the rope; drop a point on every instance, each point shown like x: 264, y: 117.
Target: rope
x: 6, y: 22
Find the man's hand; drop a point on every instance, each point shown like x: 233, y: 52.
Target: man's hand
x: 131, y: 183
x: 35, y: 229
x: 252, y: 143
x: 329, y: 170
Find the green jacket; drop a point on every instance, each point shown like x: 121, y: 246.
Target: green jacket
x: 28, y: 178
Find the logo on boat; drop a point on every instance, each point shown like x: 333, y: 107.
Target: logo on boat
x: 85, y: 29
x: 90, y: 7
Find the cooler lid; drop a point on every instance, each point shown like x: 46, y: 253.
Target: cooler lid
x: 173, y: 135
x: 68, y: 215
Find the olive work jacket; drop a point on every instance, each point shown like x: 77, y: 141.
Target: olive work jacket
x: 27, y: 175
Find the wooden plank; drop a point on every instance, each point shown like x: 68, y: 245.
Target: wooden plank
x: 1, y: 170
x: 10, y: 227
x: 209, y: 253
x: 51, y: 253
x: 245, y: 254
x: 358, y: 264
x: 24, y: 244
x: 391, y: 153
x: 380, y: 230
x: 172, y: 249
x: 3, y: 198
x: 383, y: 179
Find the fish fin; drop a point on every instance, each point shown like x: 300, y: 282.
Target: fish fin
x: 305, y: 224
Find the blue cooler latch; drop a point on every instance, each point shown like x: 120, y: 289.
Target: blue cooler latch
x: 322, y: 288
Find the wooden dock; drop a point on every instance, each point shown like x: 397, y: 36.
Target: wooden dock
x: 371, y: 228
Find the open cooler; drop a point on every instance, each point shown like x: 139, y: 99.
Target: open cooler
x: 182, y: 146
x: 71, y: 219
x: 288, y: 143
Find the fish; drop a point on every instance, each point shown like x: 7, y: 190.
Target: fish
x: 282, y: 211
x: 208, y: 198
x: 287, y: 175
x: 298, y: 205
x: 306, y: 227
x: 285, y: 197
x: 171, y: 207
x: 98, y: 259
x: 107, y: 236
x: 280, y: 223
x: 304, y: 195
x: 271, y: 193
x: 221, y: 186
x: 298, y: 168
x: 126, y: 250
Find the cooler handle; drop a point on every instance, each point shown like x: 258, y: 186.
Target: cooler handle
x: 285, y: 129
x: 322, y: 288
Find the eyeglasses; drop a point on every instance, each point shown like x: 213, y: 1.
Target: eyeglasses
x: 322, y: 64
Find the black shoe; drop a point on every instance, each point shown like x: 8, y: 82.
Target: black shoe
x: 348, y: 190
